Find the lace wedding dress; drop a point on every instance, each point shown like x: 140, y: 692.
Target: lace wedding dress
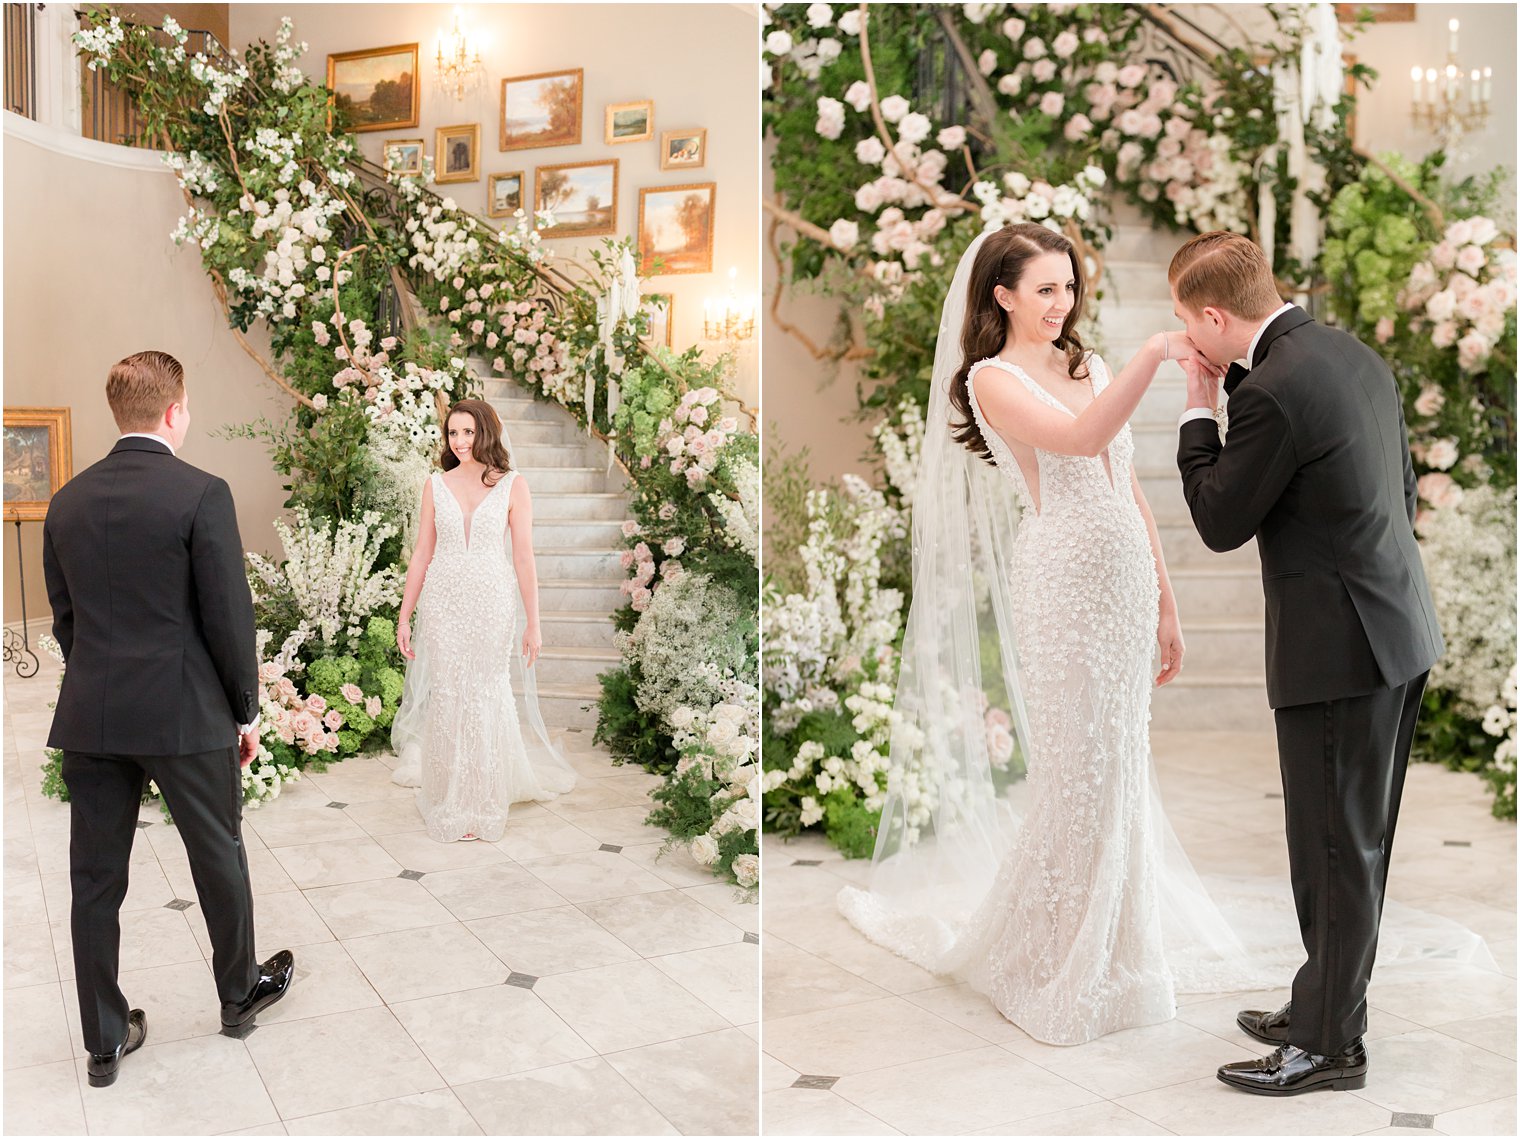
x: 458, y: 730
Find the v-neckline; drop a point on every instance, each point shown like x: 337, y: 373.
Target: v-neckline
x: 468, y: 519
x: 1104, y: 455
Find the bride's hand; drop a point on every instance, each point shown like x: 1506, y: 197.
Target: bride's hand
x: 533, y: 641
x: 404, y: 637
x: 1180, y: 347
x: 1169, y: 637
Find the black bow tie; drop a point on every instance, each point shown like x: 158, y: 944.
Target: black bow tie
x: 1233, y: 376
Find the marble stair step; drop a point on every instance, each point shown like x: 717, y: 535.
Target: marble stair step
x: 1207, y: 593
x: 1199, y: 700
x: 513, y: 402
x: 566, y: 628
x: 1219, y: 646
x: 571, y: 480
x: 536, y: 432
x: 591, y: 506
x: 567, y: 533
x: 1130, y: 279
x: 590, y: 453
x: 1182, y: 546
x: 576, y: 667
x: 568, y: 706
x: 596, y: 594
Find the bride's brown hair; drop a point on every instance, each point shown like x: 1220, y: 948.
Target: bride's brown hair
x: 488, y: 448
x: 1001, y: 261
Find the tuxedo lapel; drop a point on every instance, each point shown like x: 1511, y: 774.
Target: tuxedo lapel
x: 1233, y: 376
x: 138, y: 443
x: 1287, y: 322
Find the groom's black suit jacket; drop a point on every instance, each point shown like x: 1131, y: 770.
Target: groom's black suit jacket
x: 145, y: 574
x: 1316, y: 466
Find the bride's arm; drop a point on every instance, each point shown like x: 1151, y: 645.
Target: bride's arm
x: 1169, y: 629
x: 416, y: 571
x: 520, y: 522
x: 1016, y: 413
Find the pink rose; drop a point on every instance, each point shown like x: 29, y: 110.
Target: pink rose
x: 1440, y: 490
x: 1384, y: 331
x: 373, y: 705
x: 1444, y: 334
x: 352, y: 693
x: 1052, y: 103
x: 1132, y: 75
x: 333, y: 719
x: 1443, y: 255
x: 1470, y: 259
x: 269, y: 672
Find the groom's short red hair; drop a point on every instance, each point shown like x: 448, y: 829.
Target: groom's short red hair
x: 141, y: 388
x: 1225, y: 271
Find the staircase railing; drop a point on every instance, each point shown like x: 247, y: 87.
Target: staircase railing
x: 21, y: 59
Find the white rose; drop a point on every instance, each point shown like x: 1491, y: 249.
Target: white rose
x: 820, y: 15
x: 844, y: 234
x: 682, y: 717
x: 778, y: 42
x: 870, y: 151
x: 894, y: 107
x: 914, y: 127
x: 1013, y: 27
x: 859, y: 95
x: 1442, y: 454
x: 952, y: 138
x: 849, y: 23
x: 987, y: 62
x: 830, y: 118
x: 747, y: 869
x: 704, y: 848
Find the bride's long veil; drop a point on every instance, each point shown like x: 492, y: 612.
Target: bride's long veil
x: 948, y: 820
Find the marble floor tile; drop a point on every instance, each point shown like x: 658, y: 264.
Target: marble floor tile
x: 340, y: 1060
x: 971, y: 1090
x: 623, y: 826
x: 806, y: 1111
x: 705, y: 1085
x: 970, y: 1010
x: 29, y: 956
x: 527, y: 839
x: 148, y: 938
x: 412, y: 963
x: 363, y: 908
x: 626, y: 1006
x: 1496, y: 1117
x: 184, y: 1087
x: 726, y: 978
x: 774, y: 1074
x: 541, y: 943
x: 665, y: 921
x: 416, y: 851
x: 1495, y: 1032
x: 1137, y: 1059
x: 1427, y: 1072
x: 728, y: 901
x: 37, y: 1028
x: 336, y: 863
x: 586, y: 1097
x: 25, y: 903
x: 797, y: 981
x: 827, y: 934
x: 44, y: 1100
x: 594, y: 875
x: 1433, y: 995
x: 863, y: 1037
x: 359, y: 780
x: 593, y: 795
x: 326, y: 981
x: 1207, y: 1107
x: 483, y: 1033
x: 180, y: 1002
x: 386, y: 816
x: 673, y: 865
x: 426, y: 1113
x: 1101, y: 1118
x: 296, y: 824
x: 490, y: 891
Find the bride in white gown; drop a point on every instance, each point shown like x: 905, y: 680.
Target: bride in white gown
x: 1066, y: 897
x: 459, y: 731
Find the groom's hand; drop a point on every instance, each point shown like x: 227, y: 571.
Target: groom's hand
x: 248, y: 747
x: 1202, y: 383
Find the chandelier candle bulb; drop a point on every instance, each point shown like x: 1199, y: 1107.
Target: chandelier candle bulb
x: 1417, y: 75
x: 1488, y: 86
x: 1452, y: 26
x: 1430, y: 86
x: 1473, y: 95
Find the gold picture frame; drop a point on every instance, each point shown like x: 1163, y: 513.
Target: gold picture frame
x: 39, y: 458
x: 504, y: 205
x: 409, y: 151
x: 662, y: 312
x: 456, y: 154
x: 630, y: 122
x: 683, y: 149
x: 554, y: 97
x: 676, y: 228
x: 389, y: 75
x: 594, y: 192
x: 1381, y: 13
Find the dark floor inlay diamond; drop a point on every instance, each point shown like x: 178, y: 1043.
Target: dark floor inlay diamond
x: 337, y: 806
x: 807, y: 862
x: 241, y: 1032
x: 1274, y: 794
x: 1456, y: 842
x: 752, y: 938
x: 817, y: 1083
x: 412, y: 874
x: 521, y: 980
x: 178, y: 904
x: 607, y: 846
x: 144, y: 823
x: 1410, y: 1119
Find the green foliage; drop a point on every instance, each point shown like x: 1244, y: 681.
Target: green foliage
x: 787, y: 483
x: 1446, y: 735
x: 53, y: 785
x: 629, y: 733
x: 848, y: 825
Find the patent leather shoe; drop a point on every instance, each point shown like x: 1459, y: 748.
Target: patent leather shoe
x: 1291, y: 1071
x: 103, y: 1066
x: 1268, y: 1027
x: 274, y: 980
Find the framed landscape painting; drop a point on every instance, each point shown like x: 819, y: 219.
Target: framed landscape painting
x: 661, y: 310
x: 403, y: 155
x: 630, y: 122
x: 581, y: 195
x: 39, y: 458
x: 541, y: 110
x: 504, y: 196
x: 683, y: 150
x: 676, y: 229
x: 377, y: 87
x: 456, y: 155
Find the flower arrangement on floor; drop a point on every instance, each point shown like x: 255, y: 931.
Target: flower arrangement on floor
x: 297, y: 234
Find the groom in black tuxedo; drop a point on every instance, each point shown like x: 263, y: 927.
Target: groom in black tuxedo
x: 1315, y: 467
x: 150, y: 604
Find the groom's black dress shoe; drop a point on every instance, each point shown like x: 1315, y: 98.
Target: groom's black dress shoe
x: 102, y: 1066
x: 1268, y: 1027
x: 274, y: 980
x: 1292, y: 1071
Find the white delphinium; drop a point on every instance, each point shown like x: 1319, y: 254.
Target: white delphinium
x: 741, y: 520
x: 900, y: 446
x: 330, y: 575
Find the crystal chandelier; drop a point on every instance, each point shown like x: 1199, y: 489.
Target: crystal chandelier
x: 1449, y: 101
x: 460, y: 69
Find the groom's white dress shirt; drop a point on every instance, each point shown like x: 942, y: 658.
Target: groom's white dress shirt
x: 243, y: 729
x: 1208, y: 412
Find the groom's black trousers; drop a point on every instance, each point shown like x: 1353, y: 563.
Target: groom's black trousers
x: 1343, y: 764
x: 204, y: 793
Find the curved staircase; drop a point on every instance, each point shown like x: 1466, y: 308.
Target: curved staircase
x: 1222, y: 686
x: 578, y: 511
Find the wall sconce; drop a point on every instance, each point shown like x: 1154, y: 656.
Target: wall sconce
x: 729, y: 318
x: 460, y: 69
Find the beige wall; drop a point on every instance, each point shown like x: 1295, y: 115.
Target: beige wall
x: 696, y: 61
x: 91, y: 276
